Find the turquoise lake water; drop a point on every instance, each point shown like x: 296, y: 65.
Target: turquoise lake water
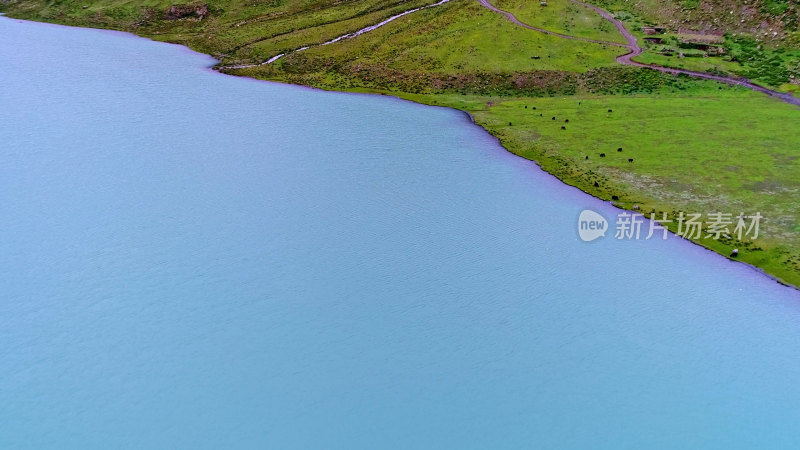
x: 192, y: 260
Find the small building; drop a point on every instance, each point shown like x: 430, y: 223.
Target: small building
x: 653, y: 30
x: 700, y: 41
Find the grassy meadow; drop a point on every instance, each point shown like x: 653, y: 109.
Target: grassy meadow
x: 563, y: 16
x: 463, y: 37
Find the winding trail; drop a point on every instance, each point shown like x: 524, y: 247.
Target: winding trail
x: 635, y: 50
x: 514, y: 20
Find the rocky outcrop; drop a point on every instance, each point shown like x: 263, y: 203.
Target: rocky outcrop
x: 176, y: 12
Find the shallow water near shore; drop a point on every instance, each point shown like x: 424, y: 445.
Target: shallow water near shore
x: 192, y: 260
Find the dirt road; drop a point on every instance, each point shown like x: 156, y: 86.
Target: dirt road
x: 635, y: 50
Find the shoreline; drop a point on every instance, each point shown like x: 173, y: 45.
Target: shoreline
x: 672, y: 234
x: 399, y: 97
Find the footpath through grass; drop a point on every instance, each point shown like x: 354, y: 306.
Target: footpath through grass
x: 563, y: 16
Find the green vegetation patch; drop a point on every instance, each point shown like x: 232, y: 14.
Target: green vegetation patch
x: 563, y: 16
x: 462, y: 36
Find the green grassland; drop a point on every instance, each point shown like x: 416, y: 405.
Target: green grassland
x: 697, y: 146
x: 563, y: 16
x: 463, y: 37
x: 692, y: 60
